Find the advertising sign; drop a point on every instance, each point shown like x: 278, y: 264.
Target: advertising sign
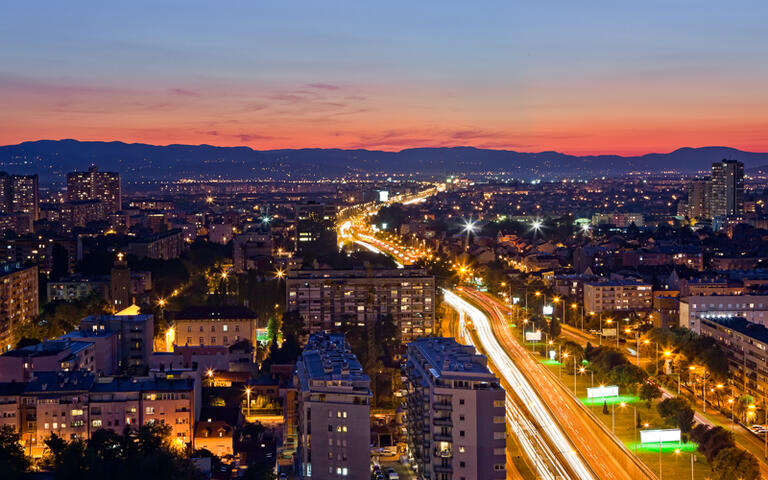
x: 547, y: 310
x: 532, y: 336
x: 660, y: 436
x: 603, y: 392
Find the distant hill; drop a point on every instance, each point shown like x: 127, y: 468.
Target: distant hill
x: 52, y: 159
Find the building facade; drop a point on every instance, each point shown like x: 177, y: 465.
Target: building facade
x: 214, y: 325
x: 19, y: 194
x: 455, y: 412
x: 727, y: 188
x: 315, y: 225
x: 73, y: 405
x: 328, y: 298
x: 95, y: 185
x: 18, y: 300
x: 617, y: 295
x: 163, y: 246
x: 334, y: 430
x: 752, y: 308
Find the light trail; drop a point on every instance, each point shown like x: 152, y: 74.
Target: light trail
x: 564, y: 458
x: 373, y: 249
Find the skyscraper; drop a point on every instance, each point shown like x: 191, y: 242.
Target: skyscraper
x: 96, y: 185
x: 727, y: 188
x: 700, y: 198
x: 19, y: 194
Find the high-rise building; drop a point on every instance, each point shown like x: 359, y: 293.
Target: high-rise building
x: 315, y: 226
x: 700, y: 198
x: 18, y: 300
x: 326, y: 299
x: 96, y: 185
x: 120, y: 284
x: 334, y: 429
x: 727, y: 188
x: 19, y: 194
x: 455, y: 413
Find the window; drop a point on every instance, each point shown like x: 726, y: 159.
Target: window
x: 461, y: 433
x: 150, y: 410
x: 461, y: 401
x: 461, y: 448
x: 55, y: 425
x: 202, y: 341
x: 46, y: 426
x: 498, y: 403
x: 499, y: 435
x: 224, y: 328
x: 76, y: 411
x: 213, y: 340
x: 96, y: 423
x: 498, y: 419
x: 499, y: 467
x: 461, y: 418
x: 462, y: 464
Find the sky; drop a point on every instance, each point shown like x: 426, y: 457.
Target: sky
x: 587, y: 77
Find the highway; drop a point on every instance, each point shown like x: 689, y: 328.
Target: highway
x: 545, y: 444
x: 598, y: 448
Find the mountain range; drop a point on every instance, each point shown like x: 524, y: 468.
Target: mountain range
x: 52, y: 159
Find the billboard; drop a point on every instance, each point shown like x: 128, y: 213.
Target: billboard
x: 515, y: 300
x: 383, y: 195
x: 603, y: 392
x: 547, y: 309
x: 532, y: 336
x: 659, y: 436
x: 609, y: 332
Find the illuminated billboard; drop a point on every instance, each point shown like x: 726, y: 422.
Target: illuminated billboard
x: 660, y: 436
x: 603, y: 392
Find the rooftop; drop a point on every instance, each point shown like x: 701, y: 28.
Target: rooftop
x: 449, y: 358
x: 327, y: 357
x: 48, y: 348
x: 741, y: 325
x: 207, y: 312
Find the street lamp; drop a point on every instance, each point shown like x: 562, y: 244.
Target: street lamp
x: 634, y: 408
x: 248, y: 401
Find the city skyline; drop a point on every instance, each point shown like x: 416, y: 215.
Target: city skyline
x: 603, y: 78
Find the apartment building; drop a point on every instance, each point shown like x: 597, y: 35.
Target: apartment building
x: 455, y: 412
x: 76, y: 404
x: 333, y: 424
x: 19, y: 194
x: 95, y: 185
x: 315, y: 225
x: 752, y: 308
x: 617, y: 295
x: 327, y: 298
x: 745, y: 344
x: 135, y: 332
x: 18, y: 300
x: 163, y: 246
x: 20, y: 364
x: 214, y: 325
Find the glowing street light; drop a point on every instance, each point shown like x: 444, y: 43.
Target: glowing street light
x: 248, y: 401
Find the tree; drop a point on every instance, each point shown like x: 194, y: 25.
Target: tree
x: 627, y: 376
x: 649, y: 392
x: 553, y: 328
x: 293, y: 325
x: 13, y: 463
x: 677, y: 412
x: 733, y: 463
x: 605, y: 407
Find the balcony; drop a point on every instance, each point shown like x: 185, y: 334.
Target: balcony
x: 442, y: 406
x: 442, y: 437
x: 445, y: 453
x: 443, y: 469
x: 443, y: 422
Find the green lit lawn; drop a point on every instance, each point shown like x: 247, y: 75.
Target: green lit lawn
x: 629, y: 399
x: 674, y: 465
